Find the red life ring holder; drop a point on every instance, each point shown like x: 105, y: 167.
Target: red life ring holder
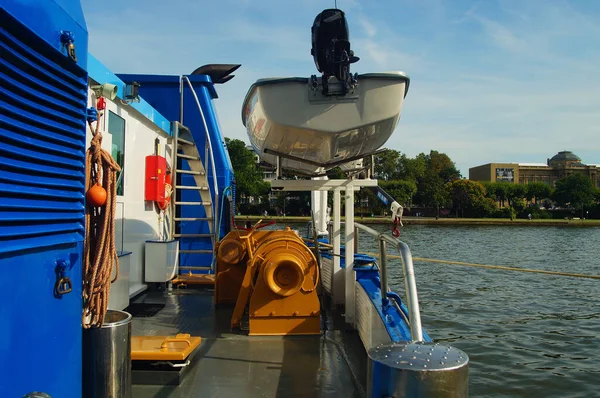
x: 168, y: 192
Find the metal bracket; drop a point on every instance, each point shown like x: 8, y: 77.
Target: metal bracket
x: 339, y: 91
x: 63, y: 283
x: 397, y: 211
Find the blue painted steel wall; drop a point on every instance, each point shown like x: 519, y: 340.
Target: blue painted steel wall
x: 43, y: 96
x: 98, y: 72
x: 162, y: 92
x: 47, y: 18
x: 367, y: 276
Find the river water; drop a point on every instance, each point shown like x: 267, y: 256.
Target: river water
x: 527, y: 335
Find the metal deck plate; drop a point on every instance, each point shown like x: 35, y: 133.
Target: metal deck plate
x: 229, y: 364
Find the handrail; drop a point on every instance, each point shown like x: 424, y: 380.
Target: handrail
x: 175, y: 135
x: 410, y: 284
x: 212, y: 161
x: 309, y: 228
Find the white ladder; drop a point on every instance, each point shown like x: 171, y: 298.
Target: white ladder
x: 183, y: 141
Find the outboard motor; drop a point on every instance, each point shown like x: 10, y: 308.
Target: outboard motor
x: 331, y: 51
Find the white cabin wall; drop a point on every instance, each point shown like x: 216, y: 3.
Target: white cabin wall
x: 136, y: 220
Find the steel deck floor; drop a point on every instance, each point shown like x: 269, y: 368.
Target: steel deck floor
x: 232, y: 364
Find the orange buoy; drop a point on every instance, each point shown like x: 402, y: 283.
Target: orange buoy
x: 96, y: 195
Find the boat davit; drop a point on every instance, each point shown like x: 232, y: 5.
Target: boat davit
x: 311, y: 125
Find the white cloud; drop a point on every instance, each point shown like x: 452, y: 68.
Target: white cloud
x: 368, y: 28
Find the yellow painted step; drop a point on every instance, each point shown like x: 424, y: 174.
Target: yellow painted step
x: 163, y: 348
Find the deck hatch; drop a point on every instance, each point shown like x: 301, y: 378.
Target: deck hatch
x: 165, y: 348
x: 43, y: 99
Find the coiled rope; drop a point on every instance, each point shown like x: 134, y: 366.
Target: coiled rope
x: 99, y: 252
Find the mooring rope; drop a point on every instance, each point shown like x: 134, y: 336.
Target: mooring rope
x: 488, y: 266
x: 498, y: 267
x: 99, y: 253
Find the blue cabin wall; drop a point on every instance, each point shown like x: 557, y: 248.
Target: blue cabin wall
x: 162, y: 92
x: 47, y: 18
x: 43, y: 99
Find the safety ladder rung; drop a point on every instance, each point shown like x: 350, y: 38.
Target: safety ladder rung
x: 189, y: 157
x: 198, y: 251
x: 183, y: 141
x: 190, y: 267
x: 193, y: 235
x: 194, y: 203
x: 191, y: 187
x: 197, y: 173
x: 193, y: 219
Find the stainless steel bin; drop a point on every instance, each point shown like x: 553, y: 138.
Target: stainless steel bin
x: 107, y: 357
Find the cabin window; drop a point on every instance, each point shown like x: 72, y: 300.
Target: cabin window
x: 116, y: 128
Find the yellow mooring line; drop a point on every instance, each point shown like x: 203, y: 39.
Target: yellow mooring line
x: 499, y: 267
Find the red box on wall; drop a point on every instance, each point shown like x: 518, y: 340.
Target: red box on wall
x: 156, y: 169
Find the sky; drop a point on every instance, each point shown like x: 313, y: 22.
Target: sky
x: 491, y: 80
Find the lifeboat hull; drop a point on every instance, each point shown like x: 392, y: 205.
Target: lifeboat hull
x: 312, y: 133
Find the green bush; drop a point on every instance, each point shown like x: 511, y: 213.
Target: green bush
x: 486, y: 208
x: 536, y: 213
x: 502, y: 213
x: 542, y: 214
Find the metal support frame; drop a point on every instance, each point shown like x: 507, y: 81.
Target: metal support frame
x: 319, y: 207
x: 336, y: 235
x: 350, y: 280
x: 319, y: 185
x: 320, y: 164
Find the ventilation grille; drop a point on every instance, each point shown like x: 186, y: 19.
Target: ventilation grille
x: 43, y: 97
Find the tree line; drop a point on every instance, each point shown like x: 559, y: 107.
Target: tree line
x: 427, y: 181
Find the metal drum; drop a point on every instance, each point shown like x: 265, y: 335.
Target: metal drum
x: 107, y: 357
x: 417, y: 370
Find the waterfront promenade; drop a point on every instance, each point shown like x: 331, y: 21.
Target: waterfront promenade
x: 432, y: 221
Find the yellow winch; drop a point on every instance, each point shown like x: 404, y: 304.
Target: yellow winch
x: 273, y: 274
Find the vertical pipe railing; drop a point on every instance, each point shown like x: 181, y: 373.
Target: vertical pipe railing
x: 410, y: 285
x: 215, y: 204
x: 350, y: 278
x: 173, y: 208
x: 338, y: 294
x: 309, y: 230
x: 383, y: 271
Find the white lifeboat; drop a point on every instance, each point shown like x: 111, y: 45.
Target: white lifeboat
x: 311, y: 125
x: 310, y: 132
